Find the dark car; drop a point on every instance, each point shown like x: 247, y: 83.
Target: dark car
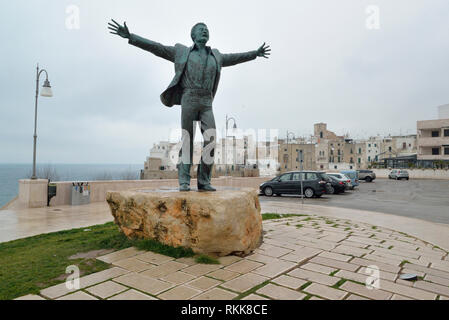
x: 315, y: 184
x: 337, y: 185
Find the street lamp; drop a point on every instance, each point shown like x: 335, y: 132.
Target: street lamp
x: 288, y: 152
x: 45, y: 92
x: 226, y: 138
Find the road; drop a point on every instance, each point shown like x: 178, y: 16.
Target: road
x: 421, y: 199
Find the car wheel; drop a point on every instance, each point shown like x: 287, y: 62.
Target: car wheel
x: 268, y: 191
x: 309, y: 193
x: 332, y: 190
x: 368, y: 179
x: 278, y: 195
x: 407, y: 179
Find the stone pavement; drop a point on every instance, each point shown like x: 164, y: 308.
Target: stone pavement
x: 302, y: 257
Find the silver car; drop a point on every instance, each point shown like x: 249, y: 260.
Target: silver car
x: 341, y: 177
x: 398, y: 174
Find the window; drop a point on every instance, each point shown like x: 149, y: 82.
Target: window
x: 435, y: 151
x: 338, y: 159
x: 369, y: 145
x: 369, y: 158
x: 375, y: 145
x: 338, y: 151
x: 359, y: 160
x: 298, y: 176
x: 335, y: 167
x: 351, y: 160
x: 446, y: 132
x: 311, y: 176
x: 404, y: 145
x: 389, y: 149
x: 360, y: 150
x: 321, y: 134
x: 446, y: 150
x: 321, y: 167
x: 435, y: 134
x: 286, y: 177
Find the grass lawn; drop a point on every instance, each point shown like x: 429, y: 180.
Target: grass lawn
x: 31, y: 264
x: 270, y: 216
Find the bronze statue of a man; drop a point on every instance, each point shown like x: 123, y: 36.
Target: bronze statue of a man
x: 197, y: 74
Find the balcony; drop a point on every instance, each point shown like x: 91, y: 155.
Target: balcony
x: 432, y: 124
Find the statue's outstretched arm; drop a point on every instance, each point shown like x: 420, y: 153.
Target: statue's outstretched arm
x: 160, y: 50
x: 231, y: 59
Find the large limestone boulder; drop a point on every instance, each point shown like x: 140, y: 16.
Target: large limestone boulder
x: 219, y: 223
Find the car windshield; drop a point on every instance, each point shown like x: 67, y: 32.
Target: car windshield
x: 324, y: 176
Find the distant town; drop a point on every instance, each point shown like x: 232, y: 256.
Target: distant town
x: 245, y: 156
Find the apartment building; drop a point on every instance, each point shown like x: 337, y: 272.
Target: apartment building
x: 433, y: 141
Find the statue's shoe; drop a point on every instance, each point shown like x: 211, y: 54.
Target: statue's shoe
x: 206, y: 188
x: 184, y: 188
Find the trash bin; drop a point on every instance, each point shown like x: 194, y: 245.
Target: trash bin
x: 80, y: 193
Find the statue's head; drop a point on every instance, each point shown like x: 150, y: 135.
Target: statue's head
x: 200, y: 33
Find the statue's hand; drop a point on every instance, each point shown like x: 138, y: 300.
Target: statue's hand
x: 115, y: 28
x: 263, y: 51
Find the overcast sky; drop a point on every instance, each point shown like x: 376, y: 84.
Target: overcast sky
x: 326, y: 66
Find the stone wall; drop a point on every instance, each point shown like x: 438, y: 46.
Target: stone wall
x: 98, y: 189
x: 417, y: 173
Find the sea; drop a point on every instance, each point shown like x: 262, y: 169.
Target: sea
x: 11, y: 173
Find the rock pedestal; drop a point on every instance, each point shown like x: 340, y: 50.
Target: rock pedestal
x: 218, y: 223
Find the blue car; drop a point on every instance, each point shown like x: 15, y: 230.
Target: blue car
x: 353, y: 175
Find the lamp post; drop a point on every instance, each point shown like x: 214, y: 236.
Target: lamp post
x: 226, y: 140
x: 45, y: 92
x: 288, y: 152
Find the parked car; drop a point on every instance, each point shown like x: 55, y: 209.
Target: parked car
x: 315, y: 184
x: 341, y: 177
x: 337, y: 185
x: 398, y: 174
x: 353, y: 176
x: 367, y: 175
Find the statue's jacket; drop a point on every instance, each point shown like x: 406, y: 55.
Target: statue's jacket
x: 179, y: 55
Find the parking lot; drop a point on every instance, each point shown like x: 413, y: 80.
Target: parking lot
x: 422, y: 199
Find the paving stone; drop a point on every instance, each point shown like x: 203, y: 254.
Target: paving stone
x: 203, y: 283
x: 434, y: 272
x: 258, y: 257
x: 440, y: 265
x: 391, y: 261
x: 408, y: 270
x: 30, y: 297
x: 358, y: 252
x: 106, y: 289
x: 179, y: 293
x: 243, y: 266
x: 244, y: 282
x: 224, y: 275
x: 315, y: 298
x: 86, y: 281
x: 226, y: 261
x: 154, y: 258
x: 216, y: 294
x: 355, y: 244
x: 435, y: 279
x: 274, y: 269
x: 164, y: 269
x: 355, y: 297
x: 132, y: 264
x: 335, y: 256
x: 318, y: 268
x: 295, y: 258
x: 276, y: 252
x: 406, y: 291
x: 201, y: 269
x: 178, y: 277
x: 290, y: 282
x: 132, y: 295
x: 79, y: 295
x: 444, y: 298
x: 403, y: 253
x: 253, y: 296
x: 399, y: 297
x: 352, y: 276
x: 280, y: 293
x: 143, y: 283
x: 119, y: 255
x: 335, y: 264
x: 325, y: 291
x: 384, y: 275
x: 313, y: 276
x: 381, y: 265
x: 187, y: 260
x: 433, y: 287
x: 375, y: 294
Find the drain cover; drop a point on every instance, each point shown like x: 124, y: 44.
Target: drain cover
x: 408, y: 276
